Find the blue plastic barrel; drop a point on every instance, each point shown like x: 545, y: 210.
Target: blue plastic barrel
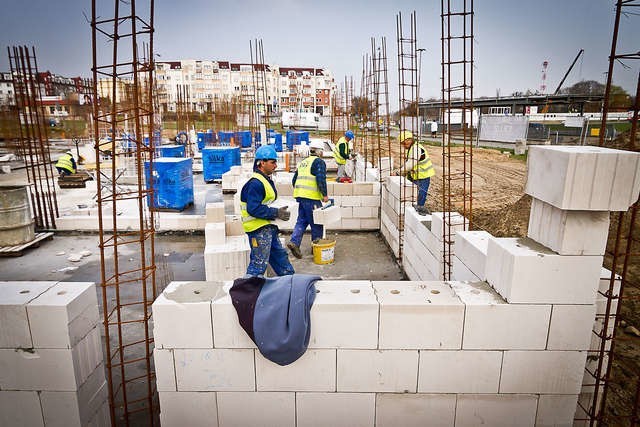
x: 218, y: 160
x: 258, y: 137
x: 200, y: 139
x: 172, y: 182
x: 176, y: 150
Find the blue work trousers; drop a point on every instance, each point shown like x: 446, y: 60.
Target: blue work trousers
x: 423, y: 188
x: 267, y: 249
x: 305, y: 218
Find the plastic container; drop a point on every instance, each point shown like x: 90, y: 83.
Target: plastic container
x: 170, y: 150
x: 295, y: 137
x: 200, y: 140
x: 225, y: 137
x: 324, y: 251
x: 243, y: 137
x: 218, y: 160
x: 172, y: 182
x: 16, y: 222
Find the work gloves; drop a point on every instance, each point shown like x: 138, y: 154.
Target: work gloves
x: 283, y: 213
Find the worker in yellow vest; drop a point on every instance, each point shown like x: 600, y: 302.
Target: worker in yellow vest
x: 342, y: 152
x: 255, y: 199
x: 417, y: 168
x: 66, y: 164
x: 310, y: 190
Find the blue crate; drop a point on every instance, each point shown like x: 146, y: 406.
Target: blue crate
x: 225, y: 137
x: 170, y: 151
x: 200, y: 140
x: 218, y: 160
x: 172, y: 183
x: 295, y: 137
x: 243, y: 138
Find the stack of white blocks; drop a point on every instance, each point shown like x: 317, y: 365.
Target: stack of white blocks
x: 359, y: 204
x: 422, y: 255
x: 226, y: 252
x: 395, y: 190
x: 51, y: 371
x: 235, y: 178
x: 380, y: 353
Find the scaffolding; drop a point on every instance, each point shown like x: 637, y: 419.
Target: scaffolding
x: 457, y: 84
x: 33, y: 145
x: 607, y: 363
x: 122, y: 47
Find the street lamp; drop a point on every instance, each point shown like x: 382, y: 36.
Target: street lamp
x: 418, y: 90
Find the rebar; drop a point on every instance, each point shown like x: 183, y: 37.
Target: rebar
x: 127, y: 257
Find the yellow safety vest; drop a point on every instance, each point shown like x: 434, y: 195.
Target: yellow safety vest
x: 424, y: 168
x: 64, y: 162
x: 306, y: 184
x: 336, y: 151
x: 250, y: 223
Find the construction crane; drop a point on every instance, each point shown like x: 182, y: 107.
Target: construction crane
x: 546, y: 107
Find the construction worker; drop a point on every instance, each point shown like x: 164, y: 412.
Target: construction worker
x: 256, y: 196
x: 341, y: 152
x: 418, y: 169
x: 66, y: 164
x: 310, y: 190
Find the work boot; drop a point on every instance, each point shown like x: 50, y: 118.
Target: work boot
x: 422, y: 210
x: 295, y: 249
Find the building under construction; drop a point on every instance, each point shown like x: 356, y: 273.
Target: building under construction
x: 507, y: 299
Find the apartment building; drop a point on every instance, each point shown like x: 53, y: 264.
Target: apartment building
x: 6, y: 90
x: 204, y: 84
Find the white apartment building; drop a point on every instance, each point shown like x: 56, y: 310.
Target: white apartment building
x: 6, y: 90
x: 204, y: 84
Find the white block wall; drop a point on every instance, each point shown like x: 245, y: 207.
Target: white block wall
x: 380, y: 353
x: 51, y: 369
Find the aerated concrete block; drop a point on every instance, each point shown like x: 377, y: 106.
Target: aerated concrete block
x: 342, y: 189
x: 344, y: 315
x: 14, y: 297
x: 314, y: 371
x: 327, y: 216
x: 214, y: 233
x: 523, y: 271
x: 233, y: 226
x: 492, y: 324
x: 215, y: 212
x: 370, y: 201
x: 583, y: 177
x: 377, y: 371
x: 228, y: 261
x: 165, y: 369
x: 556, y: 410
x: 363, y: 189
x: 370, y: 223
x: 182, y: 315
x: 443, y: 223
x: 50, y: 369
x: 227, y: 332
x: 471, y: 249
x: 64, y: 314
x: 571, y: 327
x: 459, y: 371
x: 568, y: 232
x: 20, y: 408
x: 415, y: 410
x: 215, y: 370
x: 522, y: 372
x: 419, y: 315
x: 268, y: 409
x: 75, y: 408
x: 335, y: 409
x: 497, y: 410
x: 461, y: 272
x: 188, y: 408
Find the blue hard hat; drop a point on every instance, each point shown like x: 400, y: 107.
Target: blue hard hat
x: 266, y: 152
x: 349, y: 134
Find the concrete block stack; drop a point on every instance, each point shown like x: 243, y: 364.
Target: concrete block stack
x: 235, y: 178
x: 226, y: 252
x: 422, y: 255
x: 395, y: 190
x: 399, y: 353
x: 51, y: 370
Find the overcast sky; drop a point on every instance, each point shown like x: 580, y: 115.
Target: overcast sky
x: 512, y: 37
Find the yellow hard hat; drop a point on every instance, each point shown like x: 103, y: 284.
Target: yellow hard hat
x: 405, y: 134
